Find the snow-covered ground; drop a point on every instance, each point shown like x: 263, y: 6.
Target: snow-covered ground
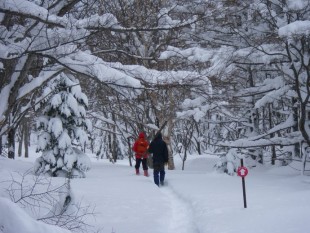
x: 196, y: 200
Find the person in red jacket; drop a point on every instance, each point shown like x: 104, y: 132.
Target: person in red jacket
x: 140, y: 148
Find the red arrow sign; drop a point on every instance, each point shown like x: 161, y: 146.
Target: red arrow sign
x: 242, y: 171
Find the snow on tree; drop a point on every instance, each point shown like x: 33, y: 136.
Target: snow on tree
x: 230, y: 161
x: 257, y: 60
x: 40, y: 39
x: 62, y: 127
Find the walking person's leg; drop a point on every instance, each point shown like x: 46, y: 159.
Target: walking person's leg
x: 156, y: 173
x: 162, y: 176
x: 137, y: 166
x: 156, y: 177
x: 144, y: 165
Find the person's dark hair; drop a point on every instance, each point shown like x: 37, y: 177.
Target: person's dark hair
x: 159, y: 136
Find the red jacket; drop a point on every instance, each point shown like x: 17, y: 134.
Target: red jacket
x: 140, y: 147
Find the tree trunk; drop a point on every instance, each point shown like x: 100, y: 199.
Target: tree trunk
x: 299, y: 118
x: 20, y: 143
x: 1, y: 146
x: 199, y: 147
x: 273, y: 155
x: 114, y: 142
x: 11, y: 143
x: 92, y: 145
x: 129, y: 151
x: 184, y: 159
x: 171, y: 165
x: 304, y: 161
x: 170, y: 159
x: 26, y: 137
x: 198, y: 138
x: 303, y: 123
x: 273, y: 148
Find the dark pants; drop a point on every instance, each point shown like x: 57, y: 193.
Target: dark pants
x: 144, y: 163
x: 159, y: 173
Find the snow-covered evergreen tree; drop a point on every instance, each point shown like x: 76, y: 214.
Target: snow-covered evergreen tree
x: 62, y: 127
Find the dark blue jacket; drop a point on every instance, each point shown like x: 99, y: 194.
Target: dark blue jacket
x: 159, y: 150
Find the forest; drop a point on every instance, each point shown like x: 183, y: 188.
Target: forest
x: 230, y: 77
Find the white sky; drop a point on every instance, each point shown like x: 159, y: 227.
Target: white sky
x: 195, y: 200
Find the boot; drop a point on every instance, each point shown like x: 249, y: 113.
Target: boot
x: 146, y: 173
x: 137, y: 172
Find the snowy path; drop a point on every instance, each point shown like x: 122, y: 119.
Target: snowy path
x: 196, y: 200
x: 183, y: 218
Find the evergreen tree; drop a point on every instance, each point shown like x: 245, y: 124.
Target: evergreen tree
x: 62, y: 128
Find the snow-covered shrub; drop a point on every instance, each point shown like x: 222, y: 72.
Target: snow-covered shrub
x: 63, y: 125
x: 230, y: 161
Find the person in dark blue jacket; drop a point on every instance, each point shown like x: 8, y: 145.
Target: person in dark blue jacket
x: 160, y: 156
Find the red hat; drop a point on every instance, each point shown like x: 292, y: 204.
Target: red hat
x: 141, y: 135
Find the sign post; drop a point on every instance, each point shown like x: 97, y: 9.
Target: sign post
x: 242, y: 172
